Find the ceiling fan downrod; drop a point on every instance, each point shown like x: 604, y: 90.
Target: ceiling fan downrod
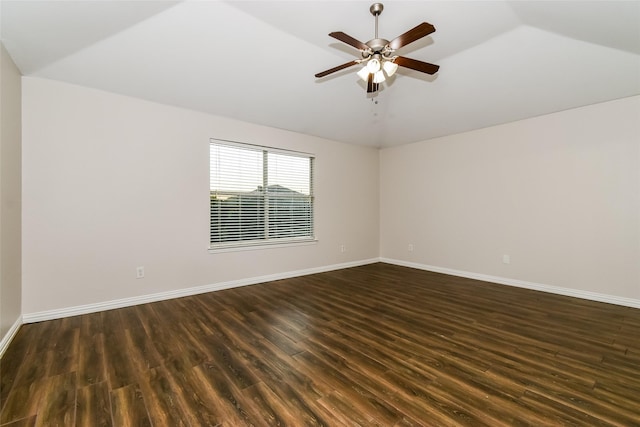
x: 376, y: 9
x: 376, y: 45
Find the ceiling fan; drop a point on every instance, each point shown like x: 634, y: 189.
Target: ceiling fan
x: 377, y: 54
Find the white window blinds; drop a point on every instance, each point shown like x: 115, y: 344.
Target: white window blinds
x: 259, y: 195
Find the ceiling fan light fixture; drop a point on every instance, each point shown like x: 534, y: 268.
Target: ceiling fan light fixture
x: 378, y: 77
x: 390, y: 67
x: 364, y: 73
x: 373, y: 65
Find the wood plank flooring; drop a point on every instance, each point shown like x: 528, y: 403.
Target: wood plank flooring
x: 373, y: 345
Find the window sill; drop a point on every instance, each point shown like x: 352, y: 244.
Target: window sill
x: 261, y: 246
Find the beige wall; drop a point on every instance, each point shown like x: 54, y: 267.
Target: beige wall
x: 559, y: 194
x: 10, y: 195
x: 112, y: 183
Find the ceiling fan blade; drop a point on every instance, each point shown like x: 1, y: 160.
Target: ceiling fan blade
x: 414, y: 64
x: 412, y: 35
x: 338, y: 68
x: 371, y: 86
x: 345, y: 38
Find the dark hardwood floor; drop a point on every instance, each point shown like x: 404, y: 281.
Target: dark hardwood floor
x: 373, y: 345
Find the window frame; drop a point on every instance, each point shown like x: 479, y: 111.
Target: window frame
x: 265, y: 241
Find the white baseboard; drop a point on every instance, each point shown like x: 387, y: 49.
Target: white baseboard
x: 8, y: 337
x: 593, y: 296
x: 143, y: 299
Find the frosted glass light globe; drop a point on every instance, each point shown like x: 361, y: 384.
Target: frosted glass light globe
x: 373, y: 65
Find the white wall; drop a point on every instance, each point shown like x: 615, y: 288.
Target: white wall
x: 10, y: 198
x: 559, y: 194
x: 112, y: 182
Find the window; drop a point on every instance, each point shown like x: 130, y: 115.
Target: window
x: 259, y: 195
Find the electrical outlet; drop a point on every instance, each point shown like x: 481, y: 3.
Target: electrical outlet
x: 506, y: 259
x: 139, y: 272
x: 343, y: 248
x: 410, y: 247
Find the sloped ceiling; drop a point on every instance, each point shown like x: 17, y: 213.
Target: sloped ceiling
x: 255, y: 60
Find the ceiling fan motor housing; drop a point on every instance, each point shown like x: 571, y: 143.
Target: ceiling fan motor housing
x: 377, y: 45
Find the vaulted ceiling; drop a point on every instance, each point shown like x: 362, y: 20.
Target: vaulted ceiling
x: 500, y: 61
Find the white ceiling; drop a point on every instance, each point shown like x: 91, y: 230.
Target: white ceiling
x: 255, y: 61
